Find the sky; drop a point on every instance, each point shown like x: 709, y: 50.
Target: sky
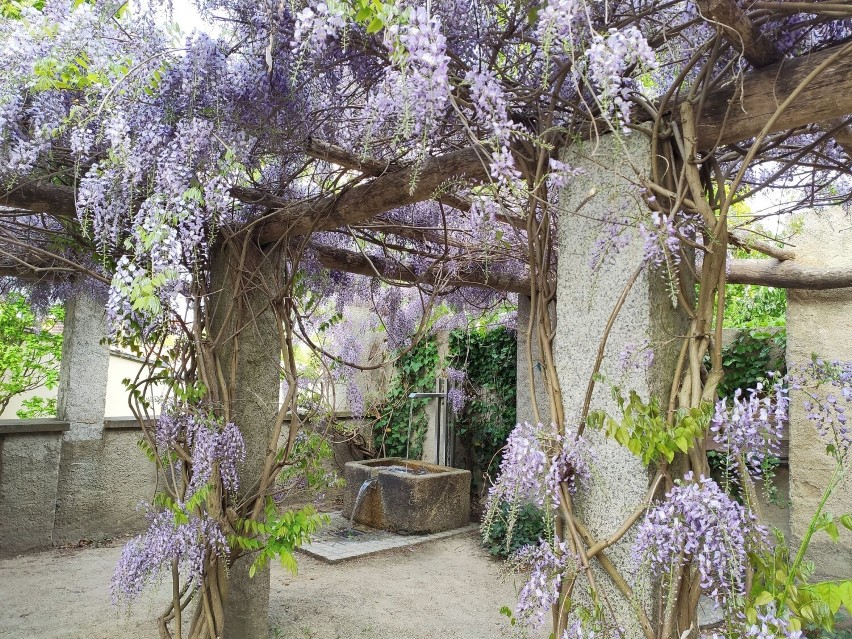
x: 186, y: 15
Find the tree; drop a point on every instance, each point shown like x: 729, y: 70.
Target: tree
x: 410, y: 156
x: 29, y: 354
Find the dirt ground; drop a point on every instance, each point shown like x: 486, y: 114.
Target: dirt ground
x: 448, y: 588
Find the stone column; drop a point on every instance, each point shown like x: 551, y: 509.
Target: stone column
x: 585, y: 300
x: 83, y: 495
x: 254, y: 406
x: 83, y: 369
x: 820, y: 323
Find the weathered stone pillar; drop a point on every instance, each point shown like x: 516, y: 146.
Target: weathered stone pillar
x: 254, y: 405
x: 585, y: 300
x: 82, y: 496
x: 820, y: 323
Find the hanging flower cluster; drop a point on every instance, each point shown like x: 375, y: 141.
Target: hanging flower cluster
x: 826, y: 405
x: 537, y: 461
x: 699, y: 524
x: 147, y: 558
x: 752, y: 426
x: 315, y: 25
x: 768, y: 625
x: 608, y: 59
x: 548, y: 566
x: 416, y: 86
x: 208, y: 442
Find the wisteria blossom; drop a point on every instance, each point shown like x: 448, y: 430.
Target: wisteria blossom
x: 751, y: 427
x: 147, y: 558
x: 208, y: 442
x: 537, y: 461
x: 698, y: 524
x: 548, y: 567
x: 828, y: 401
x: 456, y: 394
x: 608, y: 58
x: 768, y: 625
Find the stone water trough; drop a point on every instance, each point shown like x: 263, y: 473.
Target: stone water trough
x: 407, y: 496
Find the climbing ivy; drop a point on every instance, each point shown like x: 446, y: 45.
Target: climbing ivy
x: 489, y: 357
x: 414, y: 372
x: 747, y: 359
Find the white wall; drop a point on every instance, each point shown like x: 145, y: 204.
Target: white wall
x: 120, y: 367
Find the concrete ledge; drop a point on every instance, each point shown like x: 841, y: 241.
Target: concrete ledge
x: 124, y: 423
x: 32, y: 426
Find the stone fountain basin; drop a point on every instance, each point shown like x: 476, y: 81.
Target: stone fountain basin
x: 427, y: 499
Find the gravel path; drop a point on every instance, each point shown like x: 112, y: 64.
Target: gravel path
x: 447, y: 589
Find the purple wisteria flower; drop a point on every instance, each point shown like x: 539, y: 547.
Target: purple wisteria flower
x: 547, y: 566
x: 769, y: 625
x: 536, y: 462
x: 209, y: 444
x: 456, y: 394
x: 636, y: 357
x: 827, y: 403
x: 146, y: 558
x: 608, y: 60
x: 661, y: 244
x: 699, y: 524
x: 752, y: 426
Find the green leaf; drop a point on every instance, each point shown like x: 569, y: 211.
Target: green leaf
x: 375, y: 26
x: 846, y: 521
x: 763, y: 598
x: 832, y: 531
x: 845, y: 590
x: 830, y: 593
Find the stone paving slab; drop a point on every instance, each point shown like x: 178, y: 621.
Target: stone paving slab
x: 338, y: 542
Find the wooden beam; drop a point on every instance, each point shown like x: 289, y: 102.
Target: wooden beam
x: 787, y: 275
x: 386, y: 192
x: 740, y: 31
x: 354, y: 262
x: 740, y: 110
x: 748, y: 39
x: 41, y: 197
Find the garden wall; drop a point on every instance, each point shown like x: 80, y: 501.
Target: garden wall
x: 55, y: 490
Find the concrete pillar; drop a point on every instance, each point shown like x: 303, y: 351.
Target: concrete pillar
x: 83, y: 370
x: 818, y: 322
x: 254, y: 406
x: 527, y: 385
x: 83, y: 492
x: 585, y: 300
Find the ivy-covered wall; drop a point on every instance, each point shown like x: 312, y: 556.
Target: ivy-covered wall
x: 481, y: 362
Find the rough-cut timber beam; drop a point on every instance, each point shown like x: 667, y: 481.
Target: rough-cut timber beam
x: 371, y: 166
x: 748, y: 39
x: 41, y: 197
x: 787, y: 275
x: 741, y: 110
x: 382, y: 194
x: 740, y: 31
x: 352, y: 262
